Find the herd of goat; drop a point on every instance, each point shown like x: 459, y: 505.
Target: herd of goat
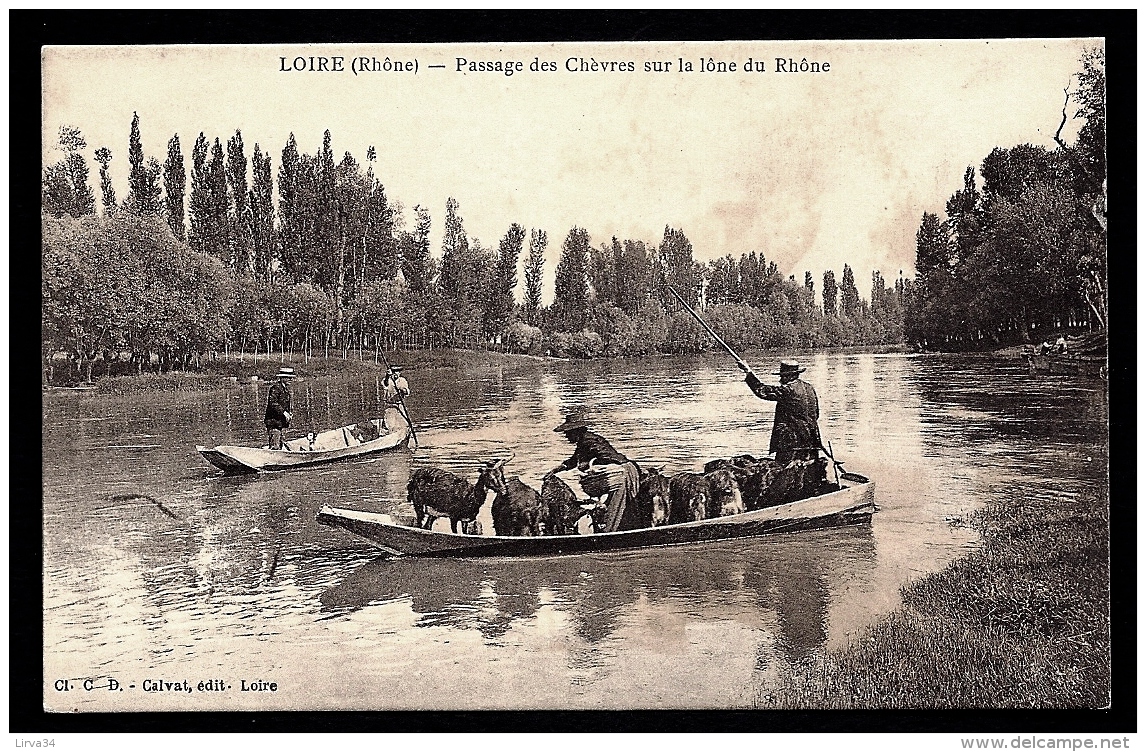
x: 725, y: 487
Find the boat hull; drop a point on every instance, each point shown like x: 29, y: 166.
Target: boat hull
x: 239, y: 459
x: 851, y: 505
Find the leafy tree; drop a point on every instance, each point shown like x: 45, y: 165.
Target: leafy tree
x: 676, y: 267
x: 534, y: 269
x: 964, y: 214
x: 633, y: 276
x: 64, y: 187
x: 571, y: 287
x: 830, y: 292
x: 174, y: 187
x: 107, y: 190
x: 415, y: 252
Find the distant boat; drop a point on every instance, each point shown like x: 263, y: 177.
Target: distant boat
x: 850, y: 504
x: 315, y: 449
x: 1085, y: 356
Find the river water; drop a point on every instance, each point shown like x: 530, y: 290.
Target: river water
x: 158, y: 569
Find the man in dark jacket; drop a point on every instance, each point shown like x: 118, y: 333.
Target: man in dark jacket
x: 593, y: 448
x: 278, y: 408
x: 796, y: 430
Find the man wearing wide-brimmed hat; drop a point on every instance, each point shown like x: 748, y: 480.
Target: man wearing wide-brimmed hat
x: 593, y: 448
x: 796, y: 430
x: 395, y: 389
x: 278, y: 408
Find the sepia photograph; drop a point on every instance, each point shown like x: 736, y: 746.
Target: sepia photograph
x: 551, y: 376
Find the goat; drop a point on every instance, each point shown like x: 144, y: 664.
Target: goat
x: 517, y: 509
x: 561, y: 508
x: 695, y: 496
x: 725, y: 498
x: 438, y: 493
x: 688, y: 497
x: 653, y: 498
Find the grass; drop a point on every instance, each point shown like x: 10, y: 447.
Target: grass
x: 1022, y: 622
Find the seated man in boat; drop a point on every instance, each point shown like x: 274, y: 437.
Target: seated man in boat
x: 795, y: 429
x: 592, y: 447
x: 278, y: 408
x: 395, y: 389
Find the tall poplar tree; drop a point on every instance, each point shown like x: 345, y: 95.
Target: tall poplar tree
x: 199, y: 235
x: 534, y: 271
x: 143, y: 195
x: 499, y: 299
x: 239, y: 240
x: 416, y: 252
x: 677, y: 267
x: 174, y: 187
x: 571, y: 287
x: 830, y: 293
x: 849, y: 293
x: 217, y: 194
x: 261, y: 202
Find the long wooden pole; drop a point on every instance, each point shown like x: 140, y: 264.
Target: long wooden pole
x: 739, y: 361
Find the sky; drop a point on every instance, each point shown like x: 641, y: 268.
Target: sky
x: 812, y: 169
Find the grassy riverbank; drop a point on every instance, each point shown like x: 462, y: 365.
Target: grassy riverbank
x: 1022, y: 622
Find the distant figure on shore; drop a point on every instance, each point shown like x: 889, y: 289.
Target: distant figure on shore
x: 796, y: 428
x: 278, y: 408
x: 1060, y: 343
x: 395, y: 389
x: 594, y: 448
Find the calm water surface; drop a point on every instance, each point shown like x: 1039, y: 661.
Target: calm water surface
x: 156, y: 567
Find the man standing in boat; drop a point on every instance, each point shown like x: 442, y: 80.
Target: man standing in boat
x: 591, y: 448
x: 796, y: 429
x: 278, y: 408
x: 395, y: 389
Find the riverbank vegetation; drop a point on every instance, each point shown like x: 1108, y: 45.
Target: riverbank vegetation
x: 1023, y: 248
x: 1022, y: 622
x: 315, y: 258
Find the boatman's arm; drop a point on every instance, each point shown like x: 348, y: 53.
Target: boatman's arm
x: 760, y: 389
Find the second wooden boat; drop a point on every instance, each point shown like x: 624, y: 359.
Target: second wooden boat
x: 315, y: 449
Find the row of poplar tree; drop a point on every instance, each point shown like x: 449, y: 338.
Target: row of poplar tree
x: 332, y: 264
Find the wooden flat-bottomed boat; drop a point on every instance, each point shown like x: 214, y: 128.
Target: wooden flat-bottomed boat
x: 852, y: 504
x: 315, y: 449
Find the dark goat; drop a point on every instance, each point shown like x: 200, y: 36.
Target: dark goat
x: 653, y: 498
x: 438, y: 493
x: 694, y: 497
x: 688, y: 497
x: 562, y: 509
x: 517, y: 508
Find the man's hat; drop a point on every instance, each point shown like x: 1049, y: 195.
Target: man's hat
x: 396, y: 368
x: 572, y: 422
x: 285, y: 373
x: 790, y: 368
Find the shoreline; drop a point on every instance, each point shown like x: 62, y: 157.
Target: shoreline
x: 232, y: 371
x: 1022, y: 621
